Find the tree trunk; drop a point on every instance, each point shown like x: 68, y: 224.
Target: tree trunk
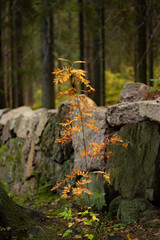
x: 97, y: 58
x: 87, y: 50
x: 19, y: 53
x: 28, y: 93
x: 81, y: 31
x: 150, y: 42
x: 21, y: 221
x: 142, y: 41
x: 81, y: 35
x: 2, y: 96
x: 13, y: 56
x: 48, y: 95
x: 5, y: 54
x: 103, y: 98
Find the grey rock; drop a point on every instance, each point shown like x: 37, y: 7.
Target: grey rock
x: 150, y: 110
x: 134, y: 171
x: 124, y: 113
x: 131, y: 210
x: 3, y: 111
x: 80, y: 140
x: 44, y: 117
x: 10, y: 160
x: 50, y: 134
x: 133, y: 92
x: 13, y: 114
x: 155, y: 223
x: 6, y: 133
x: 148, y: 215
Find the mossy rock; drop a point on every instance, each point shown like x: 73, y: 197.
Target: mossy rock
x: 131, y: 210
x: 135, y: 170
x: 10, y: 160
x: 56, y: 151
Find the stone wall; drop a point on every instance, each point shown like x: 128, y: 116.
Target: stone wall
x: 30, y: 158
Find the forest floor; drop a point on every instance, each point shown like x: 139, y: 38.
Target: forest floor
x: 74, y: 221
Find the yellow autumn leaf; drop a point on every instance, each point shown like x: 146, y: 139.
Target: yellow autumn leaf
x: 79, y: 62
x: 130, y: 238
x: 95, y: 218
x: 62, y: 59
x: 70, y: 224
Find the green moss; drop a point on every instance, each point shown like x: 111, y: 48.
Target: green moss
x: 133, y: 169
x: 10, y: 155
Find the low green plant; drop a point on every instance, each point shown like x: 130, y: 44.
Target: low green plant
x: 66, y: 214
x: 156, y: 82
x: 4, y: 185
x: 66, y: 233
x: 89, y: 236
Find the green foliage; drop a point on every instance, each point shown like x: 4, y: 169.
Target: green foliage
x: 89, y: 236
x: 37, y: 99
x: 67, y: 232
x: 156, y: 84
x: 157, y: 80
x: 66, y: 214
x: 115, y: 83
x: 4, y: 185
x: 98, y: 196
x: 2, y: 156
x: 10, y: 154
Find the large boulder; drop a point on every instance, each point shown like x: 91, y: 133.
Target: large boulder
x: 56, y: 151
x: 81, y: 140
x: 3, y: 111
x: 131, y: 210
x: 135, y: 170
x: 133, y: 92
x: 13, y: 114
x: 124, y: 113
x: 10, y: 160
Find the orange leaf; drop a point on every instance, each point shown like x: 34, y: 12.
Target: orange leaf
x: 92, y: 127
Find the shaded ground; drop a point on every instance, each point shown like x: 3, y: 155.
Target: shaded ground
x: 78, y: 222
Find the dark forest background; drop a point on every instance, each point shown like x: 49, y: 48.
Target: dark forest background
x: 119, y: 40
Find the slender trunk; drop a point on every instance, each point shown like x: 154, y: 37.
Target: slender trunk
x: 81, y: 31
x: 142, y: 41
x: 97, y: 58
x: 70, y: 28
x: 87, y: 51
x: 13, y: 56
x: 19, y: 54
x: 48, y: 96
x: 16, y: 54
x: 135, y: 60
x: 28, y: 93
x: 2, y: 96
x: 81, y: 35
x: 6, y: 59
x: 150, y: 43
x: 103, y: 100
